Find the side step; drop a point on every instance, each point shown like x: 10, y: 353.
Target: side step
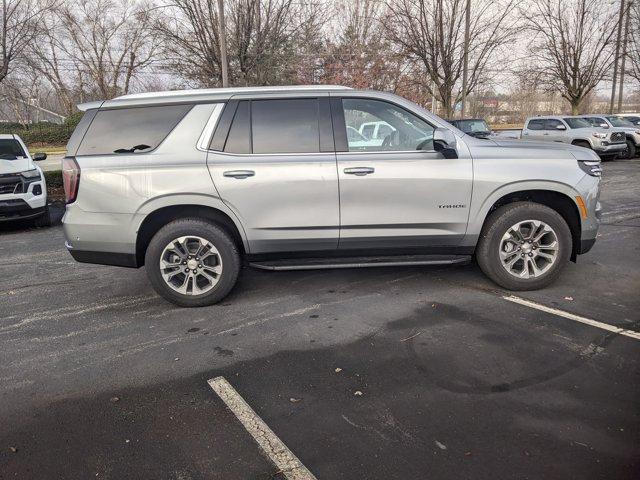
x: 359, y: 262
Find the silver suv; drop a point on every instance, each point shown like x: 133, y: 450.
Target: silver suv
x: 192, y: 183
x: 608, y: 144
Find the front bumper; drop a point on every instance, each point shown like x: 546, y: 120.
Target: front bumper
x: 605, y: 148
x: 18, y: 209
x: 29, y: 202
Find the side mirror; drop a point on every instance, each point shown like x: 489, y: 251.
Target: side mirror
x: 560, y: 127
x: 604, y: 125
x: 37, y: 157
x: 444, y: 141
x: 445, y: 137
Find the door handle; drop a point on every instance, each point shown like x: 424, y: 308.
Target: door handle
x: 240, y: 174
x: 360, y: 171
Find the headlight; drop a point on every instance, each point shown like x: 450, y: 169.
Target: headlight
x: 591, y: 168
x: 599, y: 135
x: 31, y: 173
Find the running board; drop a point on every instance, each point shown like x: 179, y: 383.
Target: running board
x: 360, y: 262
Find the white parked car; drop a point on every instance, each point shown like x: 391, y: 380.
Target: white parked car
x: 23, y: 190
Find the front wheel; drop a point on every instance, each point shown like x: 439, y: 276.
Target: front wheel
x: 631, y: 149
x: 524, y: 246
x: 192, y: 262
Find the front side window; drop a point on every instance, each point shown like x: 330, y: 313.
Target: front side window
x: 130, y: 130
x: 596, y: 122
x: 536, y: 125
x: 577, y: 122
x: 10, y: 149
x: 552, y: 124
x: 473, y: 126
x: 384, y: 127
x: 620, y: 122
x: 285, y: 126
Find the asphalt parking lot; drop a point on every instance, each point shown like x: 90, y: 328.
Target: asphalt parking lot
x: 379, y: 373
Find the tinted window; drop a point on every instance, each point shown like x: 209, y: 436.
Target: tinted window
x: 620, y: 122
x: 285, y: 126
x: 472, y: 126
x: 552, y: 124
x: 536, y: 125
x: 239, y: 139
x: 79, y: 131
x: 122, y: 129
x: 10, y: 149
x: 385, y: 127
x: 577, y: 122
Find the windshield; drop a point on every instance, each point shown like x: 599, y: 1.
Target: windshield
x: 472, y: 126
x: 577, y: 123
x: 10, y: 149
x: 620, y: 122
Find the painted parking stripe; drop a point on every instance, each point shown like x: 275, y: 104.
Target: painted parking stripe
x: 286, y: 462
x: 587, y: 321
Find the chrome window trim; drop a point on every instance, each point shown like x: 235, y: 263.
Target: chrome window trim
x: 229, y: 154
x: 207, y: 132
x: 307, y: 154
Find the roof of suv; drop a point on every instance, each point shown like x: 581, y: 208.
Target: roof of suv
x: 205, y: 94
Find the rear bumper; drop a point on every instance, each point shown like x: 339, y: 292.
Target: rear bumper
x: 103, y: 258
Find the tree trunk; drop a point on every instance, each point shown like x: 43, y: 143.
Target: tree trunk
x: 575, y: 106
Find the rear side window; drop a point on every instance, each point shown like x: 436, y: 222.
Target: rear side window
x: 131, y: 130
x: 285, y: 126
x: 536, y: 125
x: 239, y: 139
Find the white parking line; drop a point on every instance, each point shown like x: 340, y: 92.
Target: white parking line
x: 587, y: 321
x: 286, y: 462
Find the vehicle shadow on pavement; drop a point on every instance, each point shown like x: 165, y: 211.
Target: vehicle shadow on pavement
x: 391, y: 405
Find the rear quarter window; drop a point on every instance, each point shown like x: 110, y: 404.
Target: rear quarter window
x: 120, y: 130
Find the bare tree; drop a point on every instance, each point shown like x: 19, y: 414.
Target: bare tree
x: 360, y: 55
x: 571, y: 49
x: 633, y: 52
x: 18, y: 29
x: 93, y: 49
x: 261, y: 39
x: 430, y: 33
x: 110, y: 41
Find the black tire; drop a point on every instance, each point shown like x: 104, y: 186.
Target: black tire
x: 631, y: 149
x: 222, y: 241
x: 43, y: 220
x: 497, y: 224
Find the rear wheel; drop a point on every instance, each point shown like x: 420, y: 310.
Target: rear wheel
x: 192, y: 262
x: 524, y: 246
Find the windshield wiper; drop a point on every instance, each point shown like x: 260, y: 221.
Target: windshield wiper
x: 132, y: 149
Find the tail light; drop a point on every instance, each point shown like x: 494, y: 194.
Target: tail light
x: 70, y: 178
